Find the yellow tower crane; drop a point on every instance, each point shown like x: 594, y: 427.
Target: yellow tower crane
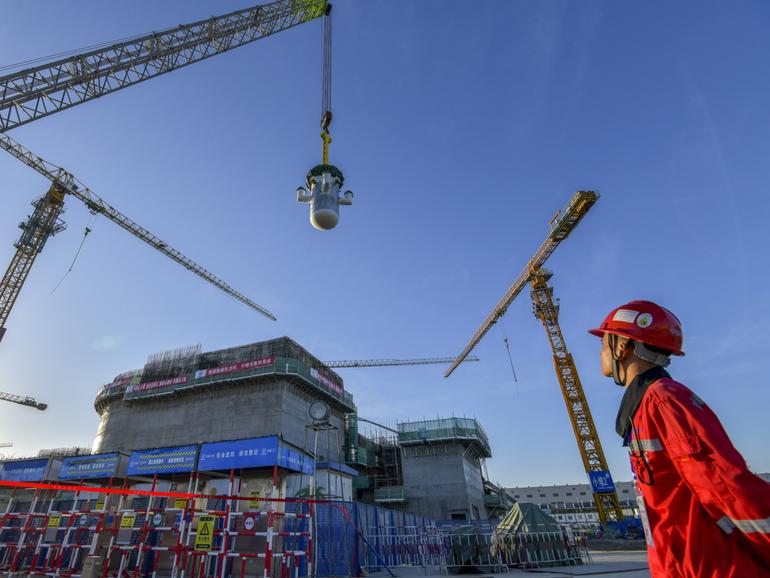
x: 547, y: 311
x: 44, y: 222
x: 31, y: 93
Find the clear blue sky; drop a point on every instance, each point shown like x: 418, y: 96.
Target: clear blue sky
x: 461, y: 127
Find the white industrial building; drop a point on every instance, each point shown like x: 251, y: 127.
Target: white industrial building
x: 573, y: 504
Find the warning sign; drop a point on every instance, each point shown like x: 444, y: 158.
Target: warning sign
x: 180, y: 503
x: 53, y: 521
x: 255, y: 502
x: 99, y: 504
x: 204, y: 535
x: 249, y: 523
x: 157, y: 519
x: 127, y: 521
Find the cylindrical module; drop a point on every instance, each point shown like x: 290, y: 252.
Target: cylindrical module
x: 323, y: 194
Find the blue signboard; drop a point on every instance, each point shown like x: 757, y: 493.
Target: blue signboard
x: 601, y: 482
x: 24, y: 470
x: 161, y: 461
x: 250, y: 453
x: 96, y: 466
x: 295, y: 460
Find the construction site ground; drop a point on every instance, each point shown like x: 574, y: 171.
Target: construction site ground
x: 607, y: 564
x: 609, y: 544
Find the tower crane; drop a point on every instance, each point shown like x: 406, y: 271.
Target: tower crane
x: 25, y: 400
x: 546, y: 309
x: 42, y: 90
x: 38, y: 91
x: 47, y: 88
x: 45, y: 222
x: 393, y: 362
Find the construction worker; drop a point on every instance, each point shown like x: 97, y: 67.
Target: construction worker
x: 704, y: 513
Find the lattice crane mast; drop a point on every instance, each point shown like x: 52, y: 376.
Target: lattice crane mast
x: 39, y: 91
x: 347, y: 363
x: 45, y: 222
x: 547, y: 311
x: 23, y: 400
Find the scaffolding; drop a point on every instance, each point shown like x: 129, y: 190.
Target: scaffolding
x: 467, y: 430
x: 134, y: 533
x: 177, y: 369
x: 171, y: 363
x: 373, y: 450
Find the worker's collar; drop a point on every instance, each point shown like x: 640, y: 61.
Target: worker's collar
x: 633, y: 397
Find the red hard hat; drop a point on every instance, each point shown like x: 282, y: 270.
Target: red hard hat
x: 646, y: 322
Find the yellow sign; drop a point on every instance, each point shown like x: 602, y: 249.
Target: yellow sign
x: 99, y: 504
x: 127, y: 521
x: 255, y: 502
x: 204, y: 535
x: 180, y: 503
x: 53, y: 521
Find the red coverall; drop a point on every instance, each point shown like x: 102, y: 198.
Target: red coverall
x: 709, y: 516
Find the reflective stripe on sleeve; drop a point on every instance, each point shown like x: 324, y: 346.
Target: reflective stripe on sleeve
x: 750, y: 526
x: 653, y: 445
x: 728, y: 524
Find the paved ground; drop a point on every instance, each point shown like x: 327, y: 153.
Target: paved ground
x: 620, y: 564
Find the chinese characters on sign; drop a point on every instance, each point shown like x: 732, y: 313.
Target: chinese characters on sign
x: 322, y: 379
x: 246, y: 365
x: 156, y: 384
x: 179, y: 459
x: 601, y: 482
x: 24, y: 470
x: 252, y: 453
x: 96, y: 466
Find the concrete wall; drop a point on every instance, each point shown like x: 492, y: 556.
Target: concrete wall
x: 245, y: 409
x: 440, y: 480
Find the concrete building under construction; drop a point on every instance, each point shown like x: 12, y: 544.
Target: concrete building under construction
x: 202, y: 453
x: 186, y: 396
x: 432, y: 468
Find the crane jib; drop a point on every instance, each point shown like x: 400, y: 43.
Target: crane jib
x: 75, y: 188
x: 42, y: 90
x: 562, y: 225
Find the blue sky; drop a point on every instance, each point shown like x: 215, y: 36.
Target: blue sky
x: 461, y: 127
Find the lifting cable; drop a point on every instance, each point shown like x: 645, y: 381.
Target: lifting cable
x: 326, y: 84
x: 508, y: 351
x: 77, y: 254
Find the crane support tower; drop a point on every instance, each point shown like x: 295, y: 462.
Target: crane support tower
x: 544, y: 308
x: 35, y: 231
x: 594, y: 462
